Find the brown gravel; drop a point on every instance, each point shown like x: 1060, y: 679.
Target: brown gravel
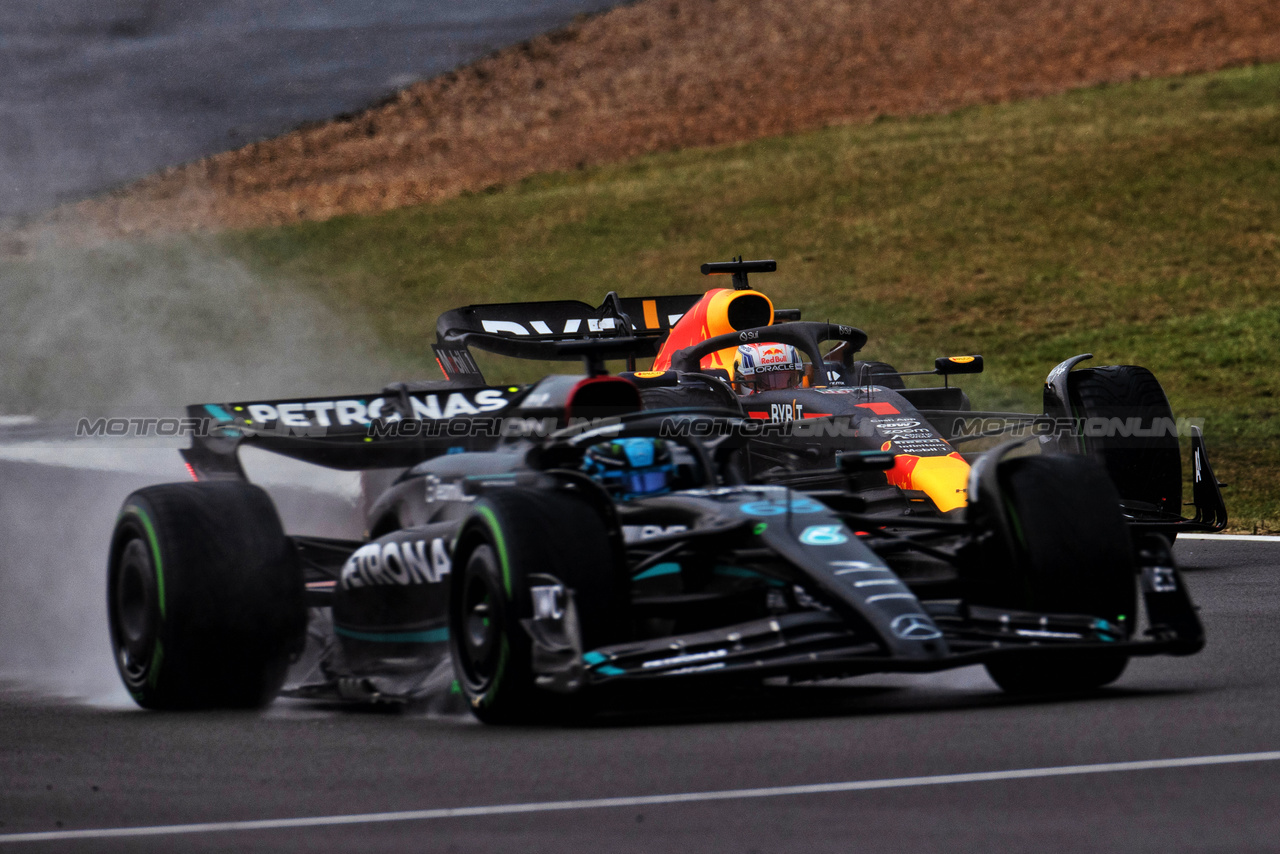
x: 665, y: 74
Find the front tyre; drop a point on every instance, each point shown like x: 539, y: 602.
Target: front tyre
x: 1066, y: 550
x: 1066, y: 673
x: 204, y: 597
x: 513, y: 535
x: 1129, y: 427
x: 482, y: 645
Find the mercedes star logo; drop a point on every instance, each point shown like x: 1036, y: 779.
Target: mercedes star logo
x: 914, y: 627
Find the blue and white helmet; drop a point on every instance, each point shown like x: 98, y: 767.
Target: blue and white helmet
x: 632, y: 467
x: 767, y: 366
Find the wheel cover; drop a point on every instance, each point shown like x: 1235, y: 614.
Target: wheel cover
x: 480, y: 640
x: 135, y: 615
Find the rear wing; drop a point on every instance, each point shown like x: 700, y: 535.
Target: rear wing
x: 560, y: 320
x: 350, y: 433
x: 555, y: 330
x: 406, y: 423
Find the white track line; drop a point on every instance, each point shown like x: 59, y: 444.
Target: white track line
x: 643, y: 800
x: 1242, y: 538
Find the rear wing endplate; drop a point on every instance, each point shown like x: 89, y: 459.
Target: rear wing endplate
x: 350, y: 433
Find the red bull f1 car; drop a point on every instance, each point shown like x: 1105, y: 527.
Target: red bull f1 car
x: 541, y: 546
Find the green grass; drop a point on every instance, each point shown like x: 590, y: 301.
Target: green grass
x: 1140, y: 222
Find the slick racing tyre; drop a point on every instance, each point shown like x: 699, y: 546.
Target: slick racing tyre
x: 874, y: 373
x: 1146, y: 468
x: 512, y: 535
x: 1067, y: 550
x: 204, y: 597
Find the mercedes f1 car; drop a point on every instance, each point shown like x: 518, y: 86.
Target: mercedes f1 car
x: 541, y: 544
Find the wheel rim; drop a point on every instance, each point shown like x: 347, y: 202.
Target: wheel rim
x: 135, y: 611
x: 481, y: 635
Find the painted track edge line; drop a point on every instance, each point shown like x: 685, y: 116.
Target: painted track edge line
x: 1235, y: 538
x: 643, y: 800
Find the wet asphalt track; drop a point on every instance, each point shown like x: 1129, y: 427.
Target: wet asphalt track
x: 99, y: 92
x: 66, y: 765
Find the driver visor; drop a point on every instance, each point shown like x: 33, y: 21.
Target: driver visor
x: 774, y: 380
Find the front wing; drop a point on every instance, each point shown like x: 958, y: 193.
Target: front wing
x: 821, y: 645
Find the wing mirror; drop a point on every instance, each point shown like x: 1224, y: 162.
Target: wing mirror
x: 949, y: 365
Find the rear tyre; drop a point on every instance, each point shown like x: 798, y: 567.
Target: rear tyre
x: 512, y: 535
x: 875, y: 373
x: 1143, y: 468
x: 1066, y: 550
x: 204, y: 597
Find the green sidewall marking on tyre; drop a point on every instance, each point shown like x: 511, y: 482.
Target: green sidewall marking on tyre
x: 504, y: 652
x: 492, y: 520
x: 153, y: 667
x: 155, y: 550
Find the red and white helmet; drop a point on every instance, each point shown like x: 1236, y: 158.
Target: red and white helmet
x: 767, y: 366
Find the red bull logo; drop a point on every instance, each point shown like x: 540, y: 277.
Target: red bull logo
x: 771, y: 354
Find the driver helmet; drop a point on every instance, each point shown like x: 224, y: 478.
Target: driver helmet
x: 632, y: 467
x: 767, y: 366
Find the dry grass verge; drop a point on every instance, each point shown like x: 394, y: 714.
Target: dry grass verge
x: 669, y: 74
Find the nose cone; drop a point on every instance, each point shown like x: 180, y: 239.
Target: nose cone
x: 944, y: 479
